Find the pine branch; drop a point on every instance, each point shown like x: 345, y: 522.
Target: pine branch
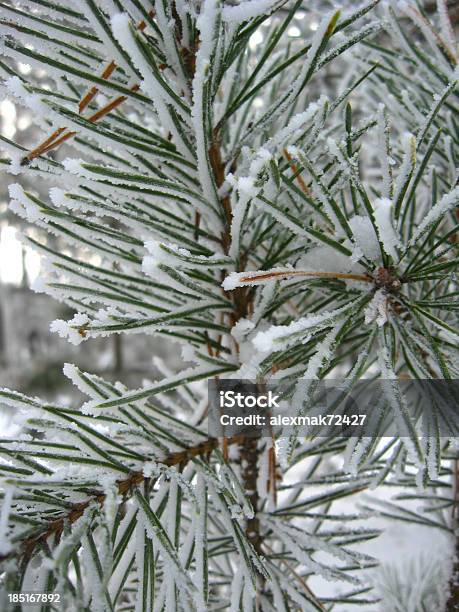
x: 126, y: 488
x: 224, y: 201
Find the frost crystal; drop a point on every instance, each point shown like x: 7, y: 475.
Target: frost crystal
x: 387, y: 234
x: 377, y: 308
x: 72, y: 330
x: 365, y: 237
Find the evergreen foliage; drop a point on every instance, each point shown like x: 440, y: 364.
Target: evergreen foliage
x: 281, y: 206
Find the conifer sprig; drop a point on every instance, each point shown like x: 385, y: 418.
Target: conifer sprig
x: 225, y: 190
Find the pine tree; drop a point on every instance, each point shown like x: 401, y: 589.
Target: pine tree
x: 278, y: 196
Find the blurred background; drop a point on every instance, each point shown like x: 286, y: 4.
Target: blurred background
x: 31, y: 358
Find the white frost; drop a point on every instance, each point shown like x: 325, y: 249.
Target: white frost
x: 241, y: 329
x: 69, y: 329
x: 377, y: 309
x: 447, y: 203
x: 387, y: 234
x: 5, y: 545
x: 22, y: 205
x: 264, y: 341
x: 58, y: 197
x: 365, y: 237
x: 247, y: 9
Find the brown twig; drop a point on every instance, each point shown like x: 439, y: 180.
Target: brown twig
x: 88, y: 97
x: 56, y: 139
x: 42, y: 146
x: 56, y: 143
x: 272, y: 476
x: 304, y: 188
x: 266, y: 276
x: 209, y: 346
x: 249, y: 464
x: 53, y: 144
x: 197, y: 224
